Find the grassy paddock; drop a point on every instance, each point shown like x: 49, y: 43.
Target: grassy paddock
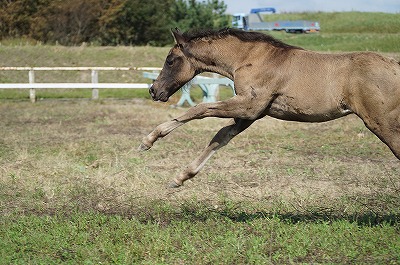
x: 74, y: 189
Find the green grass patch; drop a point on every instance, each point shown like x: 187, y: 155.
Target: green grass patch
x: 23, y: 94
x: 194, y: 234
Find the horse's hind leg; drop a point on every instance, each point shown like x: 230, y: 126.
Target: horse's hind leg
x: 220, y: 139
x: 385, y: 125
x: 392, y: 132
x: 387, y: 131
x: 390, y: 137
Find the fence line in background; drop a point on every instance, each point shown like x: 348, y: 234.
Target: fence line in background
x: 68, y: 68
x: 94, y: 85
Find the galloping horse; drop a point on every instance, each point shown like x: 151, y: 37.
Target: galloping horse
x: 279, y: 80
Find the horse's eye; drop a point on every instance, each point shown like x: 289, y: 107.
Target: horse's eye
x: 170, y: 62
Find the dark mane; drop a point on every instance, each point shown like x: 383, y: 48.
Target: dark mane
x: 246, y: 36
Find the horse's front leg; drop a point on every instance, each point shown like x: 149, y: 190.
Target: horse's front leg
x: 237, y: 107
x: 220, y: 139
x: 159, y: 132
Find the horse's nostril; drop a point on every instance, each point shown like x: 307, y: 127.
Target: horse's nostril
x: 151, y: 91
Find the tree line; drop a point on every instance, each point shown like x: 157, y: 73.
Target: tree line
x: 107, y: 22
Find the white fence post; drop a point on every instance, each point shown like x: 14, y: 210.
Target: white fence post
x: 95, y: 80
x: 216, y: 95
x: 32, y: 91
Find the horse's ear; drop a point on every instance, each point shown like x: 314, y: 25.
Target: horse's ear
x: 179, y: 39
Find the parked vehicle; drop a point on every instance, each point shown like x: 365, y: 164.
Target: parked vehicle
x: 254, y: 21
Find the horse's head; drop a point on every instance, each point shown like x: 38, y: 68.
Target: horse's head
x: 176, y: 72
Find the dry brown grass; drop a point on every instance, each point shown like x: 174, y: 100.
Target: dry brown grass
x: 65, y: 155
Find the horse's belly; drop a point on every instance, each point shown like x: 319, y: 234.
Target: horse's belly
x: 288, y: 108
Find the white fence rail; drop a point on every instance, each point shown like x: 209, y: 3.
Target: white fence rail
x: 94, y: 85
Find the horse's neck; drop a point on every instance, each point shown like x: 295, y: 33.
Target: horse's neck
x: 225, y: 56
x: 216, y: 57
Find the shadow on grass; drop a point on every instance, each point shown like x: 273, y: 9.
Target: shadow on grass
x: 365, y: 219
x: 201, y: 212
x: 164, y: 213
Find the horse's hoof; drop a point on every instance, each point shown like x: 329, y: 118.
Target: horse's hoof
x: 174, y: 185
x: 143, y: 147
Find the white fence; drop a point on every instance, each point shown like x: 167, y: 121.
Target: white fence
x: 209, y: 86
x: 94, y: 85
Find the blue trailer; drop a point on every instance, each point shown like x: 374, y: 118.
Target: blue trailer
x: 254, y: 21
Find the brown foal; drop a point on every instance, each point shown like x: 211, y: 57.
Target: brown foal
x: 279, y: 80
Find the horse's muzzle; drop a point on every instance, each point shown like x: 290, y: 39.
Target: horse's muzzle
x: 162, y: 96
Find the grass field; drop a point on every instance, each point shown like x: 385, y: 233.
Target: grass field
x: 75, y: 190
x: 346, y: 31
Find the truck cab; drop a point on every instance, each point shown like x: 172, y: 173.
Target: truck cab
x: 239, y: 21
